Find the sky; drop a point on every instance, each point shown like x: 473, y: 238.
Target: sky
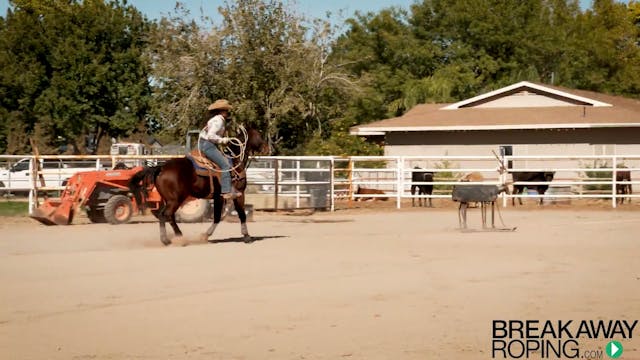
x: 154, y: 9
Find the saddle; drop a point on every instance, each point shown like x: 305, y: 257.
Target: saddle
x: 207, y: 168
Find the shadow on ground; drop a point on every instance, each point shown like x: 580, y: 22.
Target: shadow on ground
x: 241, y: 239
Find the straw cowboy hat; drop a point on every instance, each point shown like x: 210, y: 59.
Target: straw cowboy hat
x: 221, y: 104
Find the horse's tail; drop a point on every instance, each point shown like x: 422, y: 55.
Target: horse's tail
x: 139, y: 183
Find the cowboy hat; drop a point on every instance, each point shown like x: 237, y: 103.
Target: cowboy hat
x: 221, y: 104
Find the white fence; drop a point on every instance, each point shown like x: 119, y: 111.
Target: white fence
x: 318, y: 182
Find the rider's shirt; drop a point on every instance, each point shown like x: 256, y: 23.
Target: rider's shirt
x: 214, y: 130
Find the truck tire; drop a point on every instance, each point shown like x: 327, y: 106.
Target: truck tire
x: 96, y: 216
x: 192, y: 211
x: 118, y: 209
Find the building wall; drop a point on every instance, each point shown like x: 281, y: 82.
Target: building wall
x: 524, y: 142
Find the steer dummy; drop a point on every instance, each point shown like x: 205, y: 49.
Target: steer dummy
x: 484, y: 194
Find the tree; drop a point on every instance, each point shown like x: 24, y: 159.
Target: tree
x: 188, y: 73
x: 271, y: 64
x: 72, y: 73
x: 610, y: 60
x: 280, y: 70
x: 448, y: 50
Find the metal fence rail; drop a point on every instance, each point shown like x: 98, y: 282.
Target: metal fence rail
x: 288, y: 182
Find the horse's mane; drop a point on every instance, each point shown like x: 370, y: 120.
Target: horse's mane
x: 253, y: 144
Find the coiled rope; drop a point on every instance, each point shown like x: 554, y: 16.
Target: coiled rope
x: 235, y: 141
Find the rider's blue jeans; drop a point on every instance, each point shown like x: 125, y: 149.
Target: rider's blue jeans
x: 214, y: 154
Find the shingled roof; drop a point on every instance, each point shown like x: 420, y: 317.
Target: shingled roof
x: 524, y: 105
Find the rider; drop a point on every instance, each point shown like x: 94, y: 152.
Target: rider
x: 211, y: 136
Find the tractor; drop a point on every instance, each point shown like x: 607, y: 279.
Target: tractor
x: 104, y: 194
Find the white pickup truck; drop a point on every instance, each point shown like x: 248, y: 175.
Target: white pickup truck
x: 55, y: 172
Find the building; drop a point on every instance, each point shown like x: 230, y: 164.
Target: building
x: 532, y: 119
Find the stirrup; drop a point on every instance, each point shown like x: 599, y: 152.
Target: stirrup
x: 232, y: 195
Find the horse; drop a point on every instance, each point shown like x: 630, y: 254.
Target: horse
x: 520, y: 176
x: 179, y: 179
x: 422, y: 189
x: 623, y: 186
x: 367, y: 191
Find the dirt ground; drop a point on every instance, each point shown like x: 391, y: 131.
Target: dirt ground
x: 353, y: 284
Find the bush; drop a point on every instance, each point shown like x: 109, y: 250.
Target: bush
x: 445, y: 175
x: 597, y: 175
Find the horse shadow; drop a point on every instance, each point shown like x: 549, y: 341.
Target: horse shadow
x: 242, y: 240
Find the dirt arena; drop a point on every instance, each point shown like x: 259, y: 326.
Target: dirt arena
x: 354, y: 284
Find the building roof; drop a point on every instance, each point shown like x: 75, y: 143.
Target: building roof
x: 523, y: 105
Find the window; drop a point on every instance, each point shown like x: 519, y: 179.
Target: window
x: 21, y: 166
x: 51, y: 164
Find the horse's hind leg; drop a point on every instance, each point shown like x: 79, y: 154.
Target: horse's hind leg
x: 168, y: 213
x: 174, y: 224
x: 161, y: 221
x: 217, y: 216
x: 242, y: 215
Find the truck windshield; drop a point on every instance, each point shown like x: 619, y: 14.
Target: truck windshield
x: 20, y: 166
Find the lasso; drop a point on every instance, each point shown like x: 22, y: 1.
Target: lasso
x: 242, y: 146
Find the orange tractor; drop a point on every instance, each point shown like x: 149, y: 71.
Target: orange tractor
x: 104, y: 194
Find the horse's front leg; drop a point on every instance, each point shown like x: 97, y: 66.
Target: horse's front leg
x: 218, y: 203
x: 170, y: 215
x: 162, y: 218
x: 242, y: 215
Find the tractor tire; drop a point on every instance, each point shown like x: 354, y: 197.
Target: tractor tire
x: 196, y: 210
x: 96, y: 216
x: 118, y: 209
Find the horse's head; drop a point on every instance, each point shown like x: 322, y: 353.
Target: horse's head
x: 256, y: 145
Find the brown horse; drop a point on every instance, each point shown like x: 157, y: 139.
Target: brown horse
x: 178, y: 180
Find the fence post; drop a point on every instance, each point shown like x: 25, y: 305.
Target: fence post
x: 503, y: 179
x: 332, y: 185
x: 33, y: 191
x: 276, y: 169
x: 350, y: 177
x: 614, y: 184
x: 297, y: 183
x: 400, y: 181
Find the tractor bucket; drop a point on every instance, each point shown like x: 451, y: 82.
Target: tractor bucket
x: 53, y: 212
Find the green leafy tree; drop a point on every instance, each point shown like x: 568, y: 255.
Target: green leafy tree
x: 610, y: 60
x: 340, y: 143
x: 188, y: 73
x: 281, y: 74
x: 270, y: 63
x: 72, y: 72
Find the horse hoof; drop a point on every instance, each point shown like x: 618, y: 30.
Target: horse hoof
x: 166, y: 242
x: 180, y: 241
x: 247, y: 239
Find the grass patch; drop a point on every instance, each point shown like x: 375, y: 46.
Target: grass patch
x: 14, y: 208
